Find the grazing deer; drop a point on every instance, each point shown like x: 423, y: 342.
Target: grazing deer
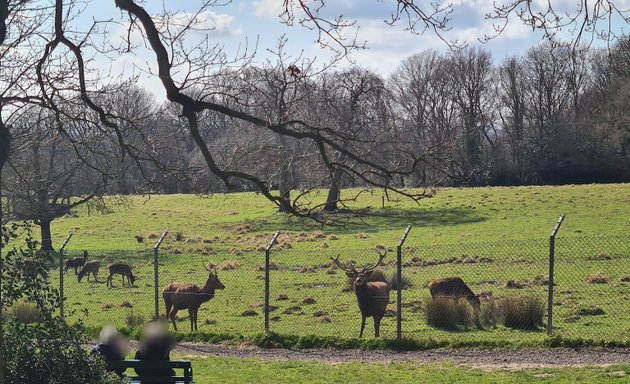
x: 120, y: 269
x: 455, y: 288
x: 75, y: 263
x: 179, y: 296
x: 90, y: 267
x: 372, y: 297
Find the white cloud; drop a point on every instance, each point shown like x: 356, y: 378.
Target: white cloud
x: 270, y: 9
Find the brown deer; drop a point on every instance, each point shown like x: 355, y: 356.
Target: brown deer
x: 455, y: 288
x: 90, y: 267
x: 120, y: 269
x: 75, y: 263
x: 179, y: 296
x: 372, y: 297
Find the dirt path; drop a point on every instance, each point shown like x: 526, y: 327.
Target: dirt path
x: 485, y: 359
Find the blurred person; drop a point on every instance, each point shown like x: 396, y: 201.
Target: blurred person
x: 156, y: 344
x: 112, y: 346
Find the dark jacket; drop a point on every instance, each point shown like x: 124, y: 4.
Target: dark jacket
x: 108, y: 353
x: 156, y: 349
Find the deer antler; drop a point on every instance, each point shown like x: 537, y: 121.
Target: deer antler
x: 342, y: 266
x: 381, y: 256
x: 210, y: 267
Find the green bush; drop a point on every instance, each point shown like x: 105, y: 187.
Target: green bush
x: 448, y: 314
x: 38, y: 346
x: 522, y: 312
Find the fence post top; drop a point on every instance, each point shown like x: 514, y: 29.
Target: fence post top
x: 556, y: 227
x: 404, y: 236
x: 65, y: 242
x: 273, y: 241
x: 159, y: 242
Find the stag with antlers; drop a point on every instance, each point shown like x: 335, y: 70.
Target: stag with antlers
x: 372, y: 296
x: 179, y: 296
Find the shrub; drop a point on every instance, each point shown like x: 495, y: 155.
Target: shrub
x: 522, y: 312
x: 134, y: 320
x: 597, y: 278
x: 491, y: 314
x: 179, y: 236
x: 51, y: 351
x: 448, y: 315
x: 405, y: 283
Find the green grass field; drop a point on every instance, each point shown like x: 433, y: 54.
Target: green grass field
x: 488, y: 236
x: 235, y: 370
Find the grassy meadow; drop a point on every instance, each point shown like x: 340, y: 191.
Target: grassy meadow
x: 496, y: 239
x: 236, y: 370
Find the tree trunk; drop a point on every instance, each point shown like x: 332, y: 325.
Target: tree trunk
x: 5, y: 146
x: 285, y: 195
x: 332, y: 199
x: 44, y: 226
x: 334, y: 193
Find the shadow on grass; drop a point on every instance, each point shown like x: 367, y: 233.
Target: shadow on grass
x: 374, y: 220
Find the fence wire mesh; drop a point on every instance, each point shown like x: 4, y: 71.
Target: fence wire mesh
x: 310, y: 295
x: 592, y: 293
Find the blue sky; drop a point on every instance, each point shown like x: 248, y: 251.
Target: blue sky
x: 241, y: 23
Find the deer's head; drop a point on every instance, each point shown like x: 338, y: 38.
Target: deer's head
x: 359, y: 277
x: 213, y: 281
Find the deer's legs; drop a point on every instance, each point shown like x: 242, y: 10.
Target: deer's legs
x: 193, y: 317
x: 172, y: 317
x: 377, y: 324
x: 362, y: 325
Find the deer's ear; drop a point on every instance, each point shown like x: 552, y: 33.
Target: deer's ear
x: 350, y: 274
x: 368, y: 273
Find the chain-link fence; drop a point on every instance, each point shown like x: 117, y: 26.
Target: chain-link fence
x: 497, y: 290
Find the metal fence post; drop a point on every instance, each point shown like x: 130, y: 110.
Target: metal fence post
x: 267, y: 257
x: 61, y: 275
x: 155, y: 275
x: 399, y: 282
x: 552, y: 245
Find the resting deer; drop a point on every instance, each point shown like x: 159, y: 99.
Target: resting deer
x: 90, y: 267
x: 120, y: 269
x: 75, y: 263
x: 455, y: 288
x: 372, y: 297
x: 179, y: 296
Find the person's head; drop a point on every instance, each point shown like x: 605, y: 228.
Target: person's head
x: 155, y: 336
x: 111, y: 337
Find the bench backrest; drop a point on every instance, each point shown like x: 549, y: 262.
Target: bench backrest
x: 186, y: 366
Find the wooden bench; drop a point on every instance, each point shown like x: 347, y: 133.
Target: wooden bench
x: 185, y: 378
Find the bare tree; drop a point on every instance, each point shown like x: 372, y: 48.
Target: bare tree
x: 48, y: 176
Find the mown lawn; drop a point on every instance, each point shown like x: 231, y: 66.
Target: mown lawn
x: 235, y: 370
x: 494, y: 238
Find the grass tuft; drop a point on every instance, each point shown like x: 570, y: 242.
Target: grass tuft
x: 448, y: 315
x: 597, y: 278
x: 522, y: 312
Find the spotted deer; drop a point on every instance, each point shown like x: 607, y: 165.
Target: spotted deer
x: 372, y: 297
